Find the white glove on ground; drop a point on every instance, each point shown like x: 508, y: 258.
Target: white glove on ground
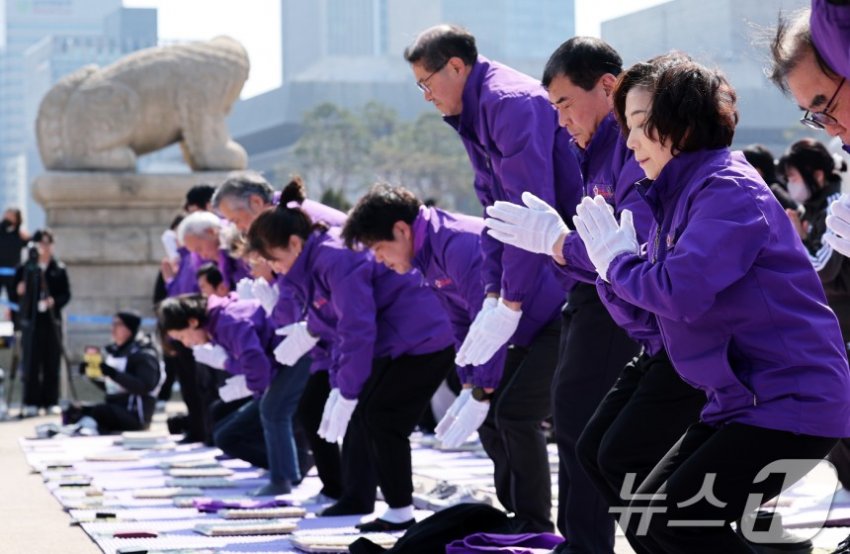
x: 210, y: 354
x: 603, y: 237
x: 169, y: 242
x: 339, y: 418
x: 245, y: 289
x: 234, y: 388
x: 487, y: 334
x: 838, y: 225
x: 470, y: 418
x: 267, y: 294
x: 536, y: 228
x: 451, y: 414
x: 298, y: 342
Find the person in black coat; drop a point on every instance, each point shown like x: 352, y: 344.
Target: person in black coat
x: 43, y: 338
x: 130, y: 375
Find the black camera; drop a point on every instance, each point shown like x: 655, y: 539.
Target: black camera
x: 32, y: 254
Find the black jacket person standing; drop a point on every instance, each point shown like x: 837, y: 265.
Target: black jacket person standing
x: 41, y: 377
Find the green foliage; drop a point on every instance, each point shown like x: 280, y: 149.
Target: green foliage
x: 341, y: 153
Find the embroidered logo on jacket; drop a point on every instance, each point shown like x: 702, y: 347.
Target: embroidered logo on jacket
x: 441, y: 283
x: 319, y: 302
x: 603, y: 190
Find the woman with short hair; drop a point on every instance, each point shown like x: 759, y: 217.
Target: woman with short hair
x: 741, y: 311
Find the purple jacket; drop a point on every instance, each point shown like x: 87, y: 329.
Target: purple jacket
x: 830, y: 26
x: 447, y: 251
x: 514, y: 143
x: 363, y: 309
x: 232, y: 269
x: 240, y: 327
x: 609, y: 169
x: 290, y: 310
x: 186, y: 280
x: 741, y: 310
x: 318, y: 211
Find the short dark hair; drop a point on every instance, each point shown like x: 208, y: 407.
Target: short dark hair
x: 762, y: 159
x: 436, y: 45
x: 242, y: 185
x: 199, y: 196
x: 211, y: 273
x: 43, y: 235
x: 692, y: 106
x: 173, y: 314
x: 374, y: 215
x: 791, y: 42
x: 807, y: 156
x: 584, y: 60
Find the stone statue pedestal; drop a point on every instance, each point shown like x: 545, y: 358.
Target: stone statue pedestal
x: 107, y: 227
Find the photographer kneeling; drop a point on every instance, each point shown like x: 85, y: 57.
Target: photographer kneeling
x: 130, y: 375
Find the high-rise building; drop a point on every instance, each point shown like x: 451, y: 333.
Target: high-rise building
x: 728, y: 34
x: 37, y: 52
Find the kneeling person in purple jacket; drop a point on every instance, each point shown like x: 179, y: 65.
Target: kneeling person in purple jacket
x: 508, y: 394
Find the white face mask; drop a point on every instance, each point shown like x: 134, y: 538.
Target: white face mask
x: 798, y: 191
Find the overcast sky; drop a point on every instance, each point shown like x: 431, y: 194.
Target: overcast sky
x: 255, y: 23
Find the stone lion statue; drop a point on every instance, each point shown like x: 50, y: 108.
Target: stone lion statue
x: 103, y: 118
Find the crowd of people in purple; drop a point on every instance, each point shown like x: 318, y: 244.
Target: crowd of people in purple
x: 679, y: 312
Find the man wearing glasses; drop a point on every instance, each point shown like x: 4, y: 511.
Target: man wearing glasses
x: 811, y: 60
x: 514, y: 144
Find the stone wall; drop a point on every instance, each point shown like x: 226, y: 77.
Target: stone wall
x: 107, y: 228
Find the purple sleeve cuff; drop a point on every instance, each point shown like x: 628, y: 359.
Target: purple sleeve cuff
x: 489, y: 374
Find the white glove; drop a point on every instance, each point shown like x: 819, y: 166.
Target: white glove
x: 451, y: 414
x: 487, y: 334
x: 536, y: 228
x: 169, y: 242
x: 838, y: 226
x: 326, y: 413
x: 339, y: 418
x: 298, y: 342
x: 210, y: 354
x: 266, y: 294
x: 603, y: 237
x: 245, y: 289
x: 468, y: 420
x: 114, y: 362
x: 42, y: 306
x: 234, y: 388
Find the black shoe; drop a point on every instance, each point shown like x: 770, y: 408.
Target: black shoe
x: 344, y: 509
x: 382, y: 526
x: 788, y: 543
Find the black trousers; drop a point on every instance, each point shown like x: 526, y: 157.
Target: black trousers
x: 640, y: 419
x: 390, y: 405
x: 182, y: 364
x: 326, y: 455
x: 512, y: 435
x: 114, y: 417
x: 41, y: 378
x: 708, y: 476
x: 593, y: 351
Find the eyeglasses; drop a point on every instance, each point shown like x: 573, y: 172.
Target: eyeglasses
x: 819, y: 120
x: 423, y: 83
